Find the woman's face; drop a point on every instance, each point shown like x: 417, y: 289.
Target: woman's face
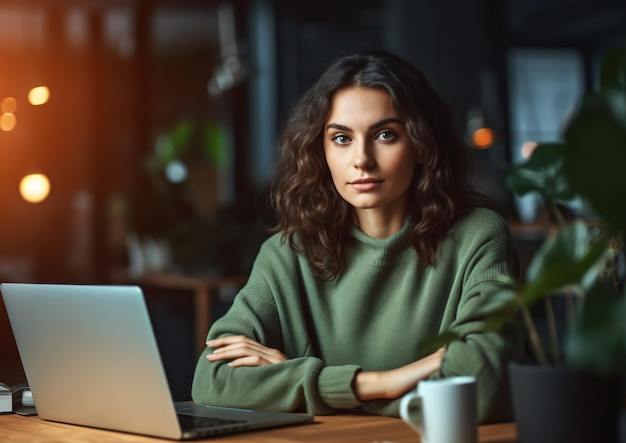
x: 368, y: 151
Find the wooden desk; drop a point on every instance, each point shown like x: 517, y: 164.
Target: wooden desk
x: 327, y: 429
x: 202, y: 288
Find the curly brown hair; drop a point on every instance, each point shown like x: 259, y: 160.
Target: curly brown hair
x: 311, y: 214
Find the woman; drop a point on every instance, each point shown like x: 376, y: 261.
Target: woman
x: 379, y: 246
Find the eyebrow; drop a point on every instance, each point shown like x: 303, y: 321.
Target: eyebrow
x: 374, y: 126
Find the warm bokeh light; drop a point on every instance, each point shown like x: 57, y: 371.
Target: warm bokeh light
x: 7, y: 121
x: 9, y: 104
x: 39, y: 95
x: 482, y: 138
x: 528, y: 148
x: 35, y: 188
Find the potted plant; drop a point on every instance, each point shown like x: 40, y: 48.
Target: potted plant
x: 190, y: 157
x: 570, y: 387
x: 581, y: 364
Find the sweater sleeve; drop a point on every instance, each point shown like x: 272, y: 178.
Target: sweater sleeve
x: 302, y: 383
x: 489, y: 264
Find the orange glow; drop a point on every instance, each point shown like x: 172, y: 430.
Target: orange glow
x: 39, y: 95
x: 7, y: 121
x: 34, y: 188
x: 528, y: 148
x: 9, y: 104
x: 482, y: 138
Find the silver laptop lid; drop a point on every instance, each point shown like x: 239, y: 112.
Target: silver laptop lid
x: 69, y: 335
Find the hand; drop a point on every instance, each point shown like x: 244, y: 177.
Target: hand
x: 243, y: 351
x: 396, y: 382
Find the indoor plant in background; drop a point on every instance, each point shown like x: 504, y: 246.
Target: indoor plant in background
x: 181, y: 223
x: 190, y: 157
x: 581, y: 365
x: 214, y: 237
x: 178, y: 184
x: 570, y: 389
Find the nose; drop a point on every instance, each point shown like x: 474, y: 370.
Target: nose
x: 363, y: 158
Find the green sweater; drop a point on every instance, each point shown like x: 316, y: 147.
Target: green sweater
x: 372, y: 318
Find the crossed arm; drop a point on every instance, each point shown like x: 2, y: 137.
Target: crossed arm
x: 242, y: 351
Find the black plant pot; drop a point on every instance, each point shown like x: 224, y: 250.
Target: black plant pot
x: 561, y: 405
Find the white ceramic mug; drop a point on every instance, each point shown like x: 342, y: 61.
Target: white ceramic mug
x: 447, y: 410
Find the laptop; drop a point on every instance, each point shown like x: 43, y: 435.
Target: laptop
x: 91, y: 359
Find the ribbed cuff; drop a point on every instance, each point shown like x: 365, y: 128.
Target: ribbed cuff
x: 335, y: 386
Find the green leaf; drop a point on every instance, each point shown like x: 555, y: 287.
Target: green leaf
x: 541, y: 173
x: 430, y: 345
x: 613, y: 69
x: 181, y: 135
x: 503, y: 314
x: 566, y: 259
x: 164, y: 150
x: 596, y: 154
x: 214, y: 145
x: 598, y: 343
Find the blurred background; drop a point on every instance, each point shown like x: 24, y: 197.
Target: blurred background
x: 137, y: 136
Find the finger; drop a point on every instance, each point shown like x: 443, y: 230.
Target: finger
x: 250, y: 361
x: 228, y: 340
x: 235, y: 351
x: 242, y: 357
x: 239, y: 346
x: 239, y: 350
x: 244, y: 347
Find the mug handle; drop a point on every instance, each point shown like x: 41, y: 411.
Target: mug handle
x: 404, y: 409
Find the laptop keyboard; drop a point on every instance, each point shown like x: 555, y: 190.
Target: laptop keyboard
x: 193, y: 422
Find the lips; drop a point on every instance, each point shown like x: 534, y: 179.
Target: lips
x: 365, y: 184
x: 359, y: 181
